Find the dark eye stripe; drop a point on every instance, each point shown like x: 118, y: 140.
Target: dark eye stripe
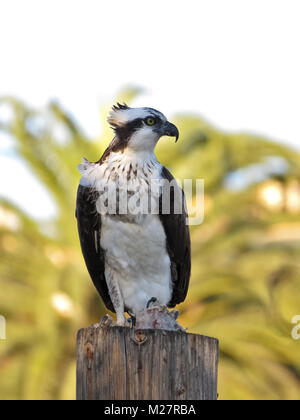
x: 125, y: 132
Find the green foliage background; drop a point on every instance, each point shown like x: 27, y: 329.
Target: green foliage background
x: 245, y: 285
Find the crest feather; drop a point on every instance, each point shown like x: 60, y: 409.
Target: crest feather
x: 120, y: 106
x: 115, y: 116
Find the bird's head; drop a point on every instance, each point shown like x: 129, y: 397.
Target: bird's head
x: 140, y: 128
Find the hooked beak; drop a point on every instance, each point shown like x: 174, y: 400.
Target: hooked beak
x: 171, y: 130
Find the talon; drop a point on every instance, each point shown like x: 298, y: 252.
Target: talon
x: 152, y: 300
x: 132, y: 321
x: 106, y: 321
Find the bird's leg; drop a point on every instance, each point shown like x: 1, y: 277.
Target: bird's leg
x: 121, y: 319
x: 116, y: 296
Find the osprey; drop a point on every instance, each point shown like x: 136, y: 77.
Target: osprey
x: 135, y: 258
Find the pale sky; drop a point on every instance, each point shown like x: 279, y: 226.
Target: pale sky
x: 236, y: 63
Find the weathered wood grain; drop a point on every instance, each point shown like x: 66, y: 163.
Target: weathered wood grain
x: 118, y: 363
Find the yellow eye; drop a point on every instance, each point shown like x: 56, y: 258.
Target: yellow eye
x: 150, y: 121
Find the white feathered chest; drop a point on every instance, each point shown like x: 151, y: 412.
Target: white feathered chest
x: 134, y: 242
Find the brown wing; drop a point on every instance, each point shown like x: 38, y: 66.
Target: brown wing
x: 89, y: 229
x: 178, y: 244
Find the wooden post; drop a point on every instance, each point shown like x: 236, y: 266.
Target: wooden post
x: 119, y: 363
